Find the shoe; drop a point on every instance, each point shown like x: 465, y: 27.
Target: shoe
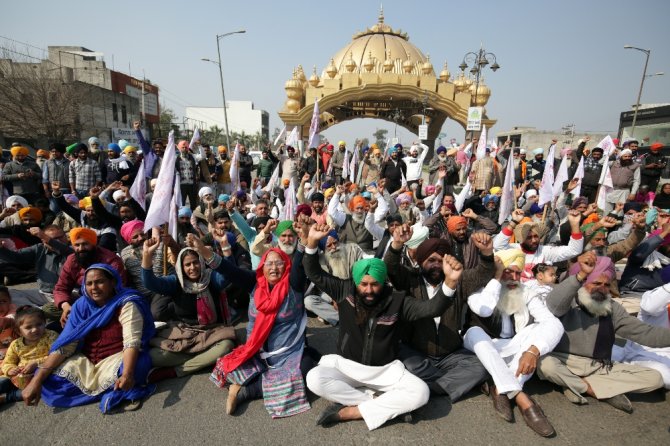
x: 620, y: 402
x: 132, y: 405
x: 574, y: 398
x: 407, y: 418
x: 537, y: 420
x: 502, y: 405
x: 330, y: 415
x: 231, y: 402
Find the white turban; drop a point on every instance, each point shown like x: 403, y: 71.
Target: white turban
x: 419, y: 235
x: 531, y: 193
x: 626, y: 152
x: 118, y: 195
x: 16, y: 199
x: 538, y: 151
x: 205, y: 191
x: 522, y: 151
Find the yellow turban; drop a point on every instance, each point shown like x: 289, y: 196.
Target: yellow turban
x: 30, y: 212
x: 43, y: 153
x: 223, y: 149
x: 341, y: 143
x: 494, y: 190
x: 87, y: 202
x: 328, y: 193
x: 129, y: 149
x: 511, y: 257
x: 87, y: 234
x: 18, y: 150
x: 374, y: 147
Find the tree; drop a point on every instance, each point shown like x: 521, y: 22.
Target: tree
x: 167, y: 122
x: 215, y: 136
x: 35, y: 103
x: 380, y: 137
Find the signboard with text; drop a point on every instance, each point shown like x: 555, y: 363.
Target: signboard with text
x: 423, y: 131
x: 475, y: 118
x: 127, y: 134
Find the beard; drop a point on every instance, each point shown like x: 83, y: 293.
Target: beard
x: 442, y: 157
x: 288, y: 248
x: 626, y: 162
x: 85, y: 258
x: 511, y: 300
x: 433, y: 276
x: 358, y: 217
x: 318, y: 209
x: 368, y: 300
x: 600, y: 251
x: 406, y: 214
x: 598, y: 304
x: 337, y: 263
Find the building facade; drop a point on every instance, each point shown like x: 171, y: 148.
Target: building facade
x: 242, y: 117
x: 530, y: 138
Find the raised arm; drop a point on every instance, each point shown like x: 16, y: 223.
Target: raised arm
x: 337, y: 289
x: 415, y: 309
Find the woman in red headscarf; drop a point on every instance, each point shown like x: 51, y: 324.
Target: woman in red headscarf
x: 274, y: 360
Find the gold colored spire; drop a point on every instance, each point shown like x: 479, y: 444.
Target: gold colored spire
x: 370, y: 62
x: 427, y: 67
x: 445, y: 74
x: 407, y: 65
x: 351, y: 63
x: 331, y: 69
x: 314, y: 78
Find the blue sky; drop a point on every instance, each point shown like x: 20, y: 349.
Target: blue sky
x: 562, y: 62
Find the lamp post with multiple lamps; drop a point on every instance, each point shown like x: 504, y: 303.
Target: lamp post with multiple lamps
x: 223, y: 91
x: 477, y: 62
x: 644, y: 76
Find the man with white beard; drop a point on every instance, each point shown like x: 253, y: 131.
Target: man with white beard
x: 337, y: 259
x: 510, y: 329
x: 353, y: 227
x: 284, y: 234
x: 582, y: 361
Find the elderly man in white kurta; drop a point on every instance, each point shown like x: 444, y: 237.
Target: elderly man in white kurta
x: 510, y: 329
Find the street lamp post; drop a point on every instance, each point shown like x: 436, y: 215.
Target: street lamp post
x: 223, y: 91
x: 639, y: 93
x: 479, y: 60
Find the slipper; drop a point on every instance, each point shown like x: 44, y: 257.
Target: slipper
x: 132, y: 405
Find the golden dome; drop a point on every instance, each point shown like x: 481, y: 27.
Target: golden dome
x: 483, y: 93
x: 445, y: 74
x: 461, y: 82
x: 370, y: 63
x: 331, y: 69
x: 407, y: 65
x: 301, y: 74
x: 293, y: 82
x: 350, y: 64
x: 379, y: 42
x: 427, y: 67
x: 388, y: 63
x: 314, y: 78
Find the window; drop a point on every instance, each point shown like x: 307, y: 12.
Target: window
x: 124, y: 114
x: 115, y: 112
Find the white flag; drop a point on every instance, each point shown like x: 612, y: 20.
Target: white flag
x: 282, y: 133
x: 235, y: 169
x: 273, y: 180
x: 158, y: 212
x: 561, y: 176
x: 468, y: 150
x: 546, y: 187
x: 314, y: 127
x: 289, y: 201
x: 508, y: 196
x: 353, y: 165
x: 608, y: 148
x: 465, y: 193
x: 481, y: 145
x: 175, y: 204
x: 138, y: 190
x: 345, y: 164
x: 403, y: 179
x: 437, y: 202
x: 579, y: 174
x: 292, y: 138
x: 606, y: 186
x: 195, y: 140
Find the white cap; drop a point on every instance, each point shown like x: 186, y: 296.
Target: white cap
x: 118, y: 194
x: 307, y: 186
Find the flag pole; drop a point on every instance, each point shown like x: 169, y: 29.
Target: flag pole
x: 544, y: 212
x: 165, y: 250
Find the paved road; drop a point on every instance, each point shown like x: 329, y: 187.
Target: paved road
x: 191, y: 411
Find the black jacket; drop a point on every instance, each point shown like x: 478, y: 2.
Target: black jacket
x: 375, y: 341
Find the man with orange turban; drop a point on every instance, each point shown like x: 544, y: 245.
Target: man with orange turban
x: 24, y: 174
x: 86, y: 253
x: 353, y: 226
x: 458, y: 234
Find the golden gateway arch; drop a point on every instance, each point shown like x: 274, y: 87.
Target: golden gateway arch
x: 380, y: 74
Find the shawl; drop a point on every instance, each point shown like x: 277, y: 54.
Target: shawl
x: 267, y: 301
x: 205, y: 305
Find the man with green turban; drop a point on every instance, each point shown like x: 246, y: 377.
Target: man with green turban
x: 276, y: 233
x: 370, y: 313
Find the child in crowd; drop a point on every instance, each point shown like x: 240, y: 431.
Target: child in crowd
x: 25, y: 353
x: 7, y: 312
x: 545, y: 274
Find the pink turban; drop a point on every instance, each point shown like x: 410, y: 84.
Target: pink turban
x: 430, y: 189
x: 604, y: 266
x: 129, y: 228
x: 403, y: 198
